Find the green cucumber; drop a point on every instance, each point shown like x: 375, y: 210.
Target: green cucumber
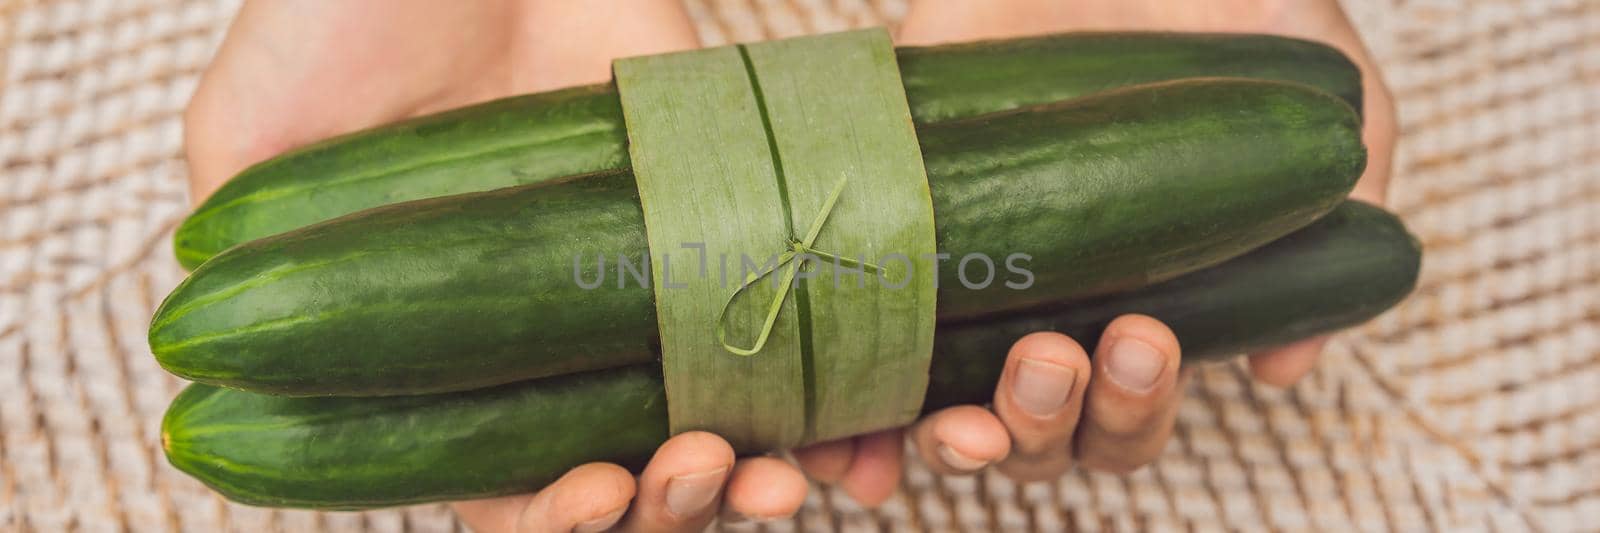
x: 969, y: 79
x: 532, y: 138
x: 1103, y: 193
x: 347, y: 453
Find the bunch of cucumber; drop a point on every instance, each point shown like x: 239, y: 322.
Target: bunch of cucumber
x: 390, y: 317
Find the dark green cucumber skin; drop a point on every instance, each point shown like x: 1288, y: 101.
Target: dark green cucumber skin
x: 258, y: 449
x: 532, y: 138
x: 969, y: 79
x: 1104, y: 193
x: 1349, y: 266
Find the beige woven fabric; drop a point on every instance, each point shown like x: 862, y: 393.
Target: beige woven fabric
x: 1475, y: 406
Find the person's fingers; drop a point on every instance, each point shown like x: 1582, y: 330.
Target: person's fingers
x: 679, y: 490
x: 763, y: 489
x: 826, y: 462
x: 587, y: 499
x: 1132, y: 398
x: 1284, y: 365
x: 1380, y: 128
x: 867, y: 467
x: 1379, y: 132
x: 960, y: 440
x: 1039, y: 399
x: 874, y: 471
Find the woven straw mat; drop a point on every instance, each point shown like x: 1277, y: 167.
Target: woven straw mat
x: 1474, y: 406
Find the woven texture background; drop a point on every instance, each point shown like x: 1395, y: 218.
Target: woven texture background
x: 1474, y: 406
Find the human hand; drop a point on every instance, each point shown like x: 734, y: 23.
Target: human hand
x: 1316, y: 20
x: 1101, y: 421
x: 366, y: 62
x: 294, y: 72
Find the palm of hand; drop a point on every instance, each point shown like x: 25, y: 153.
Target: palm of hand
x: 289, y: 74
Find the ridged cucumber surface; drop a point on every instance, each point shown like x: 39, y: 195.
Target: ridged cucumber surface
x: 349, y: 453
x: 1103, y: 193
x: 533, y: 138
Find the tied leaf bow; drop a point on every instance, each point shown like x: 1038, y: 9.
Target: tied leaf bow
x: 797, y: 248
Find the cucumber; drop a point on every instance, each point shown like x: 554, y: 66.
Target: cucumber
x: 969, y: 79
x: 1105, y: 193
x: 532, y: 138
x: 348, y: 453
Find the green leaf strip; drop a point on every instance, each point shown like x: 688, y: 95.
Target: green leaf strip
x: 735, y: 148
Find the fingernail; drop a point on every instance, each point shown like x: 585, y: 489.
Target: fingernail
x: 690, y: 494
x: 1135, y: 365
x: 1041, y: 388
x: 958, y: 461
x: 600, y: 524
